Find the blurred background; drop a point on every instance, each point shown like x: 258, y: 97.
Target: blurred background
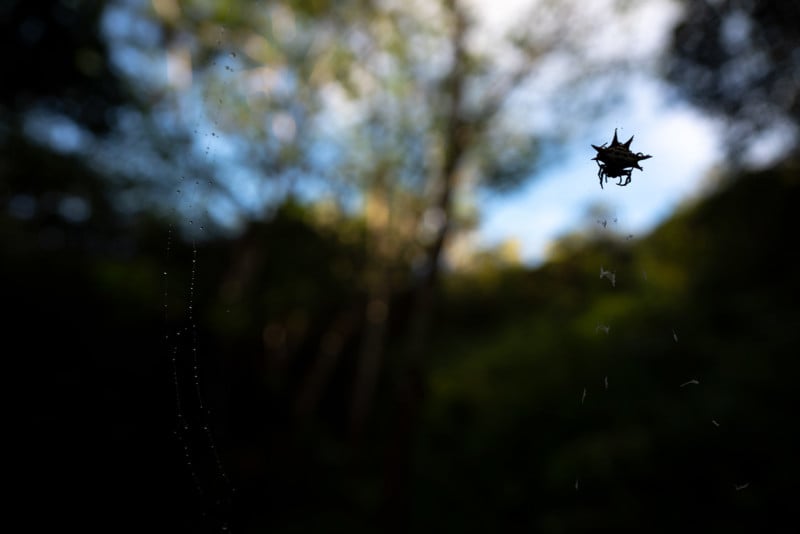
x: 314, y: 266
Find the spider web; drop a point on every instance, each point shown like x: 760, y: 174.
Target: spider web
x: 193, y: 420
x: 598, y: 390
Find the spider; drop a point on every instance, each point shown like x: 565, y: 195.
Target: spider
x: 617, y: 161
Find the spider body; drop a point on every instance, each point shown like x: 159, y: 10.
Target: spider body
x: 617, y: 160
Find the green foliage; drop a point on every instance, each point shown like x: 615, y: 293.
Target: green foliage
x: 505, y: 430
x: 506, y: 412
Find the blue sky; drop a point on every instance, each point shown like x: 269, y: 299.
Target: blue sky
x: 684, y: 143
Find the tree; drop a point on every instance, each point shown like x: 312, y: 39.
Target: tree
x: 394, y: 112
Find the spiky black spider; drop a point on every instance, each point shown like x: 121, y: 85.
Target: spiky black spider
x: 617, y: 161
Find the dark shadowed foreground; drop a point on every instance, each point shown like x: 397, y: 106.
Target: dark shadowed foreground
x: 533, y: 416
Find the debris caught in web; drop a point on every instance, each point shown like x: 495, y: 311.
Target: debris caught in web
x: 611, y: 275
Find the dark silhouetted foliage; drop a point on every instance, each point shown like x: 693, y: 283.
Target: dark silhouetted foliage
x: 55, y: 58
x: 739, y: 59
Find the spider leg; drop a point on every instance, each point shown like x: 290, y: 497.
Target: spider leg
x: 600, y: 174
